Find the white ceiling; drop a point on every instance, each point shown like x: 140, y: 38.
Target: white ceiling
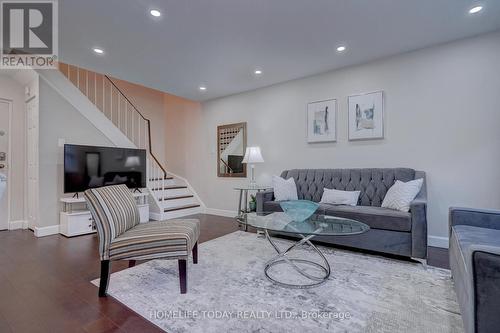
x: 219, y: 43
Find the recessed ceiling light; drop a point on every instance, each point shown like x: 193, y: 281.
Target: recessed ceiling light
x: 155, y: 12
x: 258, y: 72
x: 475, y: 10
x: 98, y: 50
x: 341, y: 48
x: 203, y: 88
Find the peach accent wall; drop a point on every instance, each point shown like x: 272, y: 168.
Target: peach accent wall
x: 150, y: 103
x: 170, y: 118
x: 170, y: 115
x: 182, y: 124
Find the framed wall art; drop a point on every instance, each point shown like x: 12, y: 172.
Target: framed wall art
x: 366, y: 116
x: 322, y: 121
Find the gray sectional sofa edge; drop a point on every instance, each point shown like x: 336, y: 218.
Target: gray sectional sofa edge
x: 475, y: 267
x: 391, y: 231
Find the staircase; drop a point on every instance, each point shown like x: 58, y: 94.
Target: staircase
x: 171, y: 195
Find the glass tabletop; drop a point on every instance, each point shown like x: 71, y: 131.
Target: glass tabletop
x: 317, y: 224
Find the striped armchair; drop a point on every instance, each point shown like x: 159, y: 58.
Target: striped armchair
x: 121, y: 237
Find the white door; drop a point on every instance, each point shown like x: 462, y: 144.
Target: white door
x: 32, y: 161
x: 5, y: 114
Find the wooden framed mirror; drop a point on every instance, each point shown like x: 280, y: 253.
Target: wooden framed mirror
x: 231, y: 146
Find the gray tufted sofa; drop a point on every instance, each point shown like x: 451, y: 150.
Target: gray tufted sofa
x: 391, y: 231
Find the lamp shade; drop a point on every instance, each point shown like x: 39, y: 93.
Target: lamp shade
x: 253, y: 155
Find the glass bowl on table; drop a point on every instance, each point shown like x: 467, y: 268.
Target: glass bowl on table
x: 299, y: 210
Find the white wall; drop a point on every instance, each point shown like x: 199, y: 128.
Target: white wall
x: 59, y: 120
x: 442, y: 115
x: 12, y: 90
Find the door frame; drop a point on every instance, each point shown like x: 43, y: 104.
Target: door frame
x: 9, y: 158
x: 27, y: 201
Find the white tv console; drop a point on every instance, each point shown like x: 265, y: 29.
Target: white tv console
x: 75, y: 221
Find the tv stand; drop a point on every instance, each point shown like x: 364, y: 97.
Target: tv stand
x: 76, y: 195
x: 76, y: 219
x: 136, y: 190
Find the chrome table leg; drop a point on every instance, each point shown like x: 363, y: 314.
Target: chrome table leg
x: 282, y: 257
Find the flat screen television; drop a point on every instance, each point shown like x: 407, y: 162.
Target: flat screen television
x: 90, y: 166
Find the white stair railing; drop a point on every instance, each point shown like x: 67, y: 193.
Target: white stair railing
x: 113, y: 103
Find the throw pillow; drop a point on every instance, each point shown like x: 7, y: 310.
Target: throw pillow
x: 401, y: 194
x: 284, y: 189
x: 337, y: 197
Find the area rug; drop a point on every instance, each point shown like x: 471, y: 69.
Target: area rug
x: 228, y: 292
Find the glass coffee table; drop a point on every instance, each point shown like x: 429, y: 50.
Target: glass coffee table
x: 316, y: 225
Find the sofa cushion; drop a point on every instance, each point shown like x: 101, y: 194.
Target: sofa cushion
x: 156, y: 239
x: 284, y: 189
x: 338, y: 197
x: 374, y: 217
x: 401, y: 194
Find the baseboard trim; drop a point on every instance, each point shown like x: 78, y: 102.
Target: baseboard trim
x: 46, y: 231
x: 437, y: 241
x: 154, y: 216
x: 221, y: 212
x: 20, y: 224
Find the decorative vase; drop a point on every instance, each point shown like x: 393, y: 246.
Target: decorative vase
x: 299, y: 210
x: 252, y: 205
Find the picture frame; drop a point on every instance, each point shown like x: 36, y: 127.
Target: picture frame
x: 366, y: 116
x: 322, y: 121
x: 230, y: 164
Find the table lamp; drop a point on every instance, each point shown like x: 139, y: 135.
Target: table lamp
x: 252, y: 156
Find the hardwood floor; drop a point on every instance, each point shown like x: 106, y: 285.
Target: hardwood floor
x: 45, y: 282
x: 438, y: 257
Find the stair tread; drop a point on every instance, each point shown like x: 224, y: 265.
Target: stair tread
x: 171, y: 209
x: 177, y: 197
x: 166, y: 178
x: 169, y: 187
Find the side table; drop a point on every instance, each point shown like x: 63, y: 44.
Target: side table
x: 243, y: 201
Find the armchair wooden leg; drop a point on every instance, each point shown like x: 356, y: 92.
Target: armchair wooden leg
x: 195, y: 253
x: 183, y: 275
x: 131, y: 263
x: 103, y: 285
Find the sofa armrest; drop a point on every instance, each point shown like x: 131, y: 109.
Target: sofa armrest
x: 418, y: 210
x: 262, y: 197
x: 486, y: 290
x: 484, y: 218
